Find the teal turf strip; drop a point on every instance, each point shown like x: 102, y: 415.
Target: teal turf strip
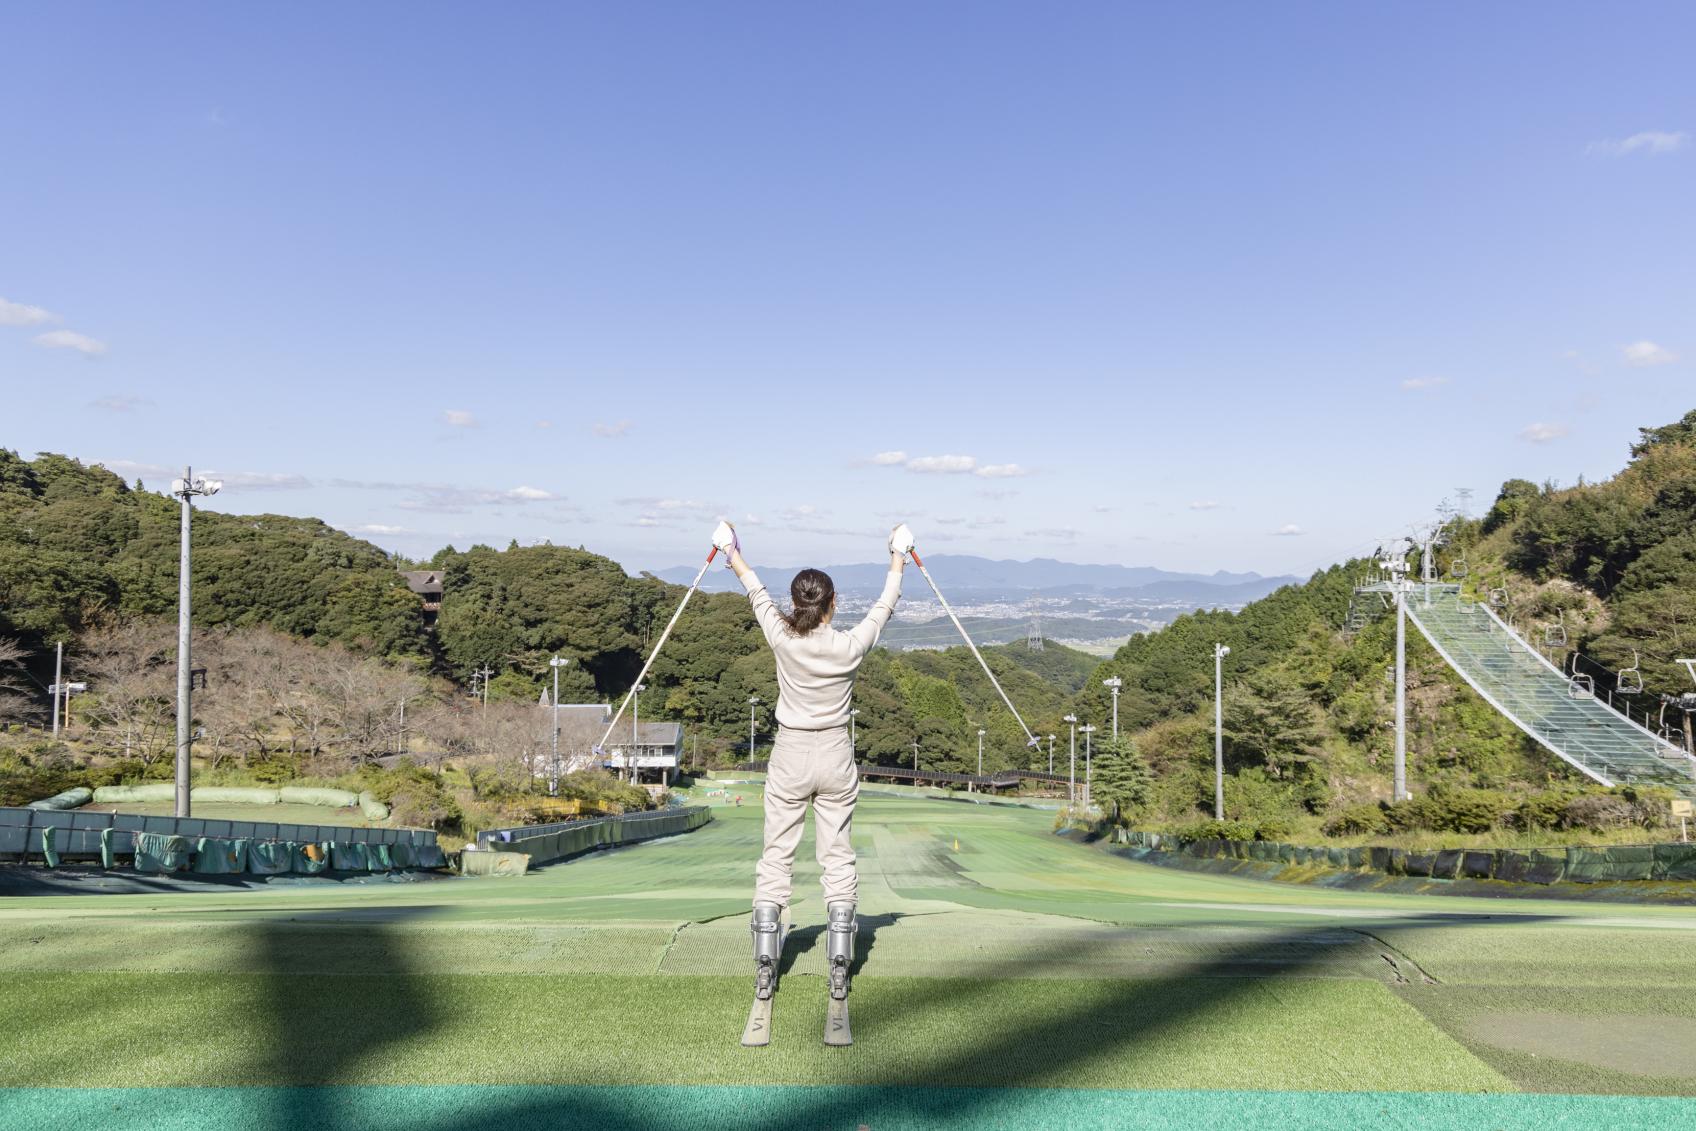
x: 668, y: 1108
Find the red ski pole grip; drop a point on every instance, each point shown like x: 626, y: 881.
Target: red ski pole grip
x: 916, y: 560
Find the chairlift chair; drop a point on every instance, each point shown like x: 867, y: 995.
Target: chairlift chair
x: 1554, y: 635
x: 1458, y: 568
x: 1499, y: 598
x: 1629, y: 681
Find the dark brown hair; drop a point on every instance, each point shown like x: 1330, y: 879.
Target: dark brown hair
x: 812, y: 591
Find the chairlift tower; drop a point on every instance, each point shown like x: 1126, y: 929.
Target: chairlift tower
x: 1392, y: 585
x: 1033, y: 635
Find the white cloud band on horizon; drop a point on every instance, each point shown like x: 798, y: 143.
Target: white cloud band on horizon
x: 70, y: 340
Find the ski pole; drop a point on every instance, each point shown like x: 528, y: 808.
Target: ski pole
x: 1031, y: 738
x: 658, y: 644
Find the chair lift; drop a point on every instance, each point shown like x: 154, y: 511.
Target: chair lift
x: 1580, y: 686
x: 1629, y: 681
x: 1554, y: 635
x: 1458, y: 568
x: 1499, y: 598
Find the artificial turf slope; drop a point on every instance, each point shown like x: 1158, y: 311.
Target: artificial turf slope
x: 1007, y: 977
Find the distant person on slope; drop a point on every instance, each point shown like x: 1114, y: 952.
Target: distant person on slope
x: 812, y: 759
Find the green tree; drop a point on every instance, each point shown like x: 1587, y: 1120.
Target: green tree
x: 1121, y: 783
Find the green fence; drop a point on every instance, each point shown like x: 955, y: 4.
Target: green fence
x: 1620, y: 863
x: 547, y: 844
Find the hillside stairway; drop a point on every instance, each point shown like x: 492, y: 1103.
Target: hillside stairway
x: 1537, y: 697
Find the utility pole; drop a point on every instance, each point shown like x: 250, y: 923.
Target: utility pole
x: 185, y: 489
x: 635, y: 724
x: 1398, y: 577
x: 1072, y: 773
x: 752, y: 701
x: 1088, y: 730
x: 980, y: 752
x: 1051, y: 753
x: 1113, y: 685
x: 553, y: 781
x: 58, y: 683
x: 915, y: 755
x: 1220, y: 651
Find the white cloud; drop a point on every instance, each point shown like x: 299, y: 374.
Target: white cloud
x: 752, y: 520
x: 1060, y: 533
x: 1541, y: 433
x: 1289, y: 530
x: 1001, y: 471
x: 1413, y: 384
x: 70, y: 340
x: 942, y: 465
x: 529, y: 494
x: 1205, y: 505
x: 544, y: 424
x: 458, y: 418
x: 22, y: 314
x: 647, y: 520
x: 1651, y: 142
x: 949, y: 521
x: 998, y: 493
x: 985, y: 523
x: 611, y: 431
x: 1647, y: 353
x: 888, y: 459
x: 379, y: 528
x: 119, y: 402
x: 239, y: 480
x: 443, y: 498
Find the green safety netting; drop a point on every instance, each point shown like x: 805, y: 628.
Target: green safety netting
x: 218, y: 856
x: 482, y: 863
x: 1418, y: 863
x: 70, y: 799
x: 1607, y: 865
x: 1675, y: 861
x: 313, y: 795
x: 350, y: 857
x: 161, y: 791
x: 237, y: 795
x: 430, y: 855
x: 1477, y: 865
x: 1446, y: 863
x: 381, y: 859
x: 403, y: 855
x: 161, y: 852
x: 269, y: 857
x: 1546, y: 867
x: 1512, y: 866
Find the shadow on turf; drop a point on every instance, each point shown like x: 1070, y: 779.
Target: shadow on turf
x: 951, y: 1088
x: 803, y: 939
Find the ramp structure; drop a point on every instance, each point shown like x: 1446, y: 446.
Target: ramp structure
x: 1563, y: 715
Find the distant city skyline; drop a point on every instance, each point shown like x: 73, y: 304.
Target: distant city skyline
x: 1238, y: 288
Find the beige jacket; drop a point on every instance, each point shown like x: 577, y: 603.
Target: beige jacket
x: 815, y: 672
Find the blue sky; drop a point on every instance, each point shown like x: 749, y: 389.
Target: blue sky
x: 1241, y: 286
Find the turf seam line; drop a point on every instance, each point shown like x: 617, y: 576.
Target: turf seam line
x: 1395, y: 957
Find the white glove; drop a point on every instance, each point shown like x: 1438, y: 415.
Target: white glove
x: 901, y: 540
x: 725, y: 541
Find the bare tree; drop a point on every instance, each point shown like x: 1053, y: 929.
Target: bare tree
x: 17, y: 705
x: 134, y: 697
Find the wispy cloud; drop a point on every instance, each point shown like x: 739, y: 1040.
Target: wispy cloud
x: 1288, y: 530
x: 70, y: 340
x: 237, y: 480
x: 1416, y: 384
x: 941, y: 465
x: 458, y: 418
x: 544, y: 424
x: 1647, y: 353
x: 1205, y: 505
x: 445, y: 498
x: 949, y: 521
x: 1541, y: 433
x: 1001, y: 471
x: 649, y: 502
x: 119, y: 402
x: 22, y: 314
x: 1058, y: 533
x: 998, y: 493
x: 612, y: 431
x: 378, y: 528
x: 1650, y: 142
x: 888, y: 459
x: 985, y: 522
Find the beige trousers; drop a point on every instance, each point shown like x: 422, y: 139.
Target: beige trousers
x: 815, y: 766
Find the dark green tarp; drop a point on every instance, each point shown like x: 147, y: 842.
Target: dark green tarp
x: 309, y: 858
x: 1512, y: 865
x: 216, y: 856
x: 1396, y: 863
x: 350, y: 857
x: 49, y: 853
x: 1446, y: 864
x: 1378, y: 857
x: 1610, y: 865
x: 1336, y: 857
x: 269, y: 857
x: 1418, y: 863
x: 430, y: 855
x: 402, y: 855
x: 1477, y: 865
x: 1546, y: 867
x: 381, y: 859
x: 107, y: 859
x: 1675, y: 861
x: 1358, y: 857
x: 161, y: 852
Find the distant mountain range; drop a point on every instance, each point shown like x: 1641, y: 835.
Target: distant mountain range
x: 974, y: 578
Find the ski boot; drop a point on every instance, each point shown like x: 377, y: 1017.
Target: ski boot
x: 839, y: 950
x: 768, y: 926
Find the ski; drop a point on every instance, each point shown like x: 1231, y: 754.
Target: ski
x: 757, y: 1033
x: 836, y: 1031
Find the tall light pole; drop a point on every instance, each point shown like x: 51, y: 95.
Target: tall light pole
x: 1088, y: 730
x: 980, y: 752
x: 915, y: 755
x: 1072, y: 773
x: 1051, y: 753
x: 854, y: 732
x: 553, y: 780
x: 635, y: 725
x: 1113, y: 685
x: 186, y: 489
x: 752, y: 701
x: 1220, y: 651
x: 58, y: 683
